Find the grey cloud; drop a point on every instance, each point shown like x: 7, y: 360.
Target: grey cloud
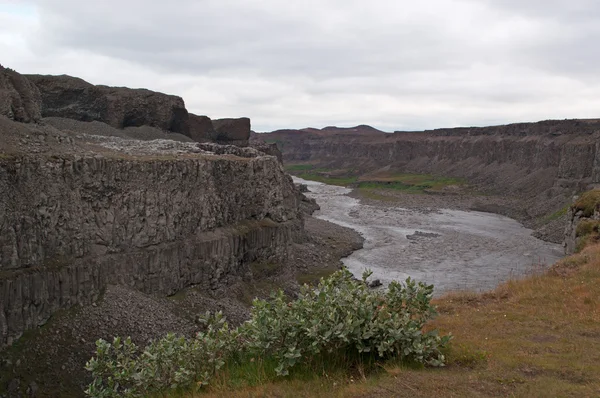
x: 288, y: 64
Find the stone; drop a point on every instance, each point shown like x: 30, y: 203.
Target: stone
x: 73, y: 98
x: 20, y: 100
x: 232, y: 131
x: 201, y: 128
x: 375, y: 283
x: 33, y: 389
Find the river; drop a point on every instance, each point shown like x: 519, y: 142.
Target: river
x: 452, y: 249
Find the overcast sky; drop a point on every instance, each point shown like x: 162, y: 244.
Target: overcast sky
x: 393, y: 64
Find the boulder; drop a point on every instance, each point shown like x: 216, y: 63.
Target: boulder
x: 74, y: 98
x: 20, y: 100
x: 201, y: 128
x: 232, y: 131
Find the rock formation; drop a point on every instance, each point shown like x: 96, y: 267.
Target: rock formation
x: 232, y: 131
x: 20, y: 100
x: 221, y: 131
x: 73, y: 98
x: 201, y: 128
x: 583, y: 221
x: 79, y: 212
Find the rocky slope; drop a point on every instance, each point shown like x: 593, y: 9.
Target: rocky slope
x: 541, y: 164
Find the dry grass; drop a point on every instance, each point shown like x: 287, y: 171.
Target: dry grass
x: 587, y: 202
x: 538, y: 337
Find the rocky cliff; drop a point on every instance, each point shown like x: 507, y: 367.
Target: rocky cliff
x: 120, y: 107
x: 74, y: 98
x: 20, y: 100
x: 70, y: 225
x: 583, y: 222
x: 220, y: 131
x: 81, y: 212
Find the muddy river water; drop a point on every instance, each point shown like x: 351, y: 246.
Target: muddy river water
x: 454, y: 250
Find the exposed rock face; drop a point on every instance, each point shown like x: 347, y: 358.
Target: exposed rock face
x: 70, y: 224
x: 20, y: 100
x: 550, y: 160
x: 258, y: 143
x: 583, y: 221
x: 73, y: 98
x: 232, y: 131
x: 223, y: 131
x: 201, y: 128
x: 269, y: 149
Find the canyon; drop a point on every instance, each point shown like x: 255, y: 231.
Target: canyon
x: 123, y: 213
x: 118, y: 203
x: 536, y: 167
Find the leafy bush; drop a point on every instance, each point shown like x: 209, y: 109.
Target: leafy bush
x: 340, y: 317
x: 121, y: 370
x: 346, y: 317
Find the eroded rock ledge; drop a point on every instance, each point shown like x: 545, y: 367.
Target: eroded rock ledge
x: 69, y: 226
x: 85, y: 206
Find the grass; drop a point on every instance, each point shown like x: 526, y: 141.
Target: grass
x: 327, y: 179
x: 410, y: 183
x: 299, y: 167
x: 312, y: 276
x: 536, y: 337
x: 587, y: 202
x: 558, y: 214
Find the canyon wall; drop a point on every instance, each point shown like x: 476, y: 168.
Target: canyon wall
x: 81, y: 210
x: 555, y: 159
x: 70, y: 226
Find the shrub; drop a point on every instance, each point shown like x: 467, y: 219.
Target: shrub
x: 341, y: 317
x: 344, y: 316
x: 120, y: 369
x: 587, y: 202
x: 587, y: 227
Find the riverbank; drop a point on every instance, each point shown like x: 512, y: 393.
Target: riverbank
x: 434, y: 238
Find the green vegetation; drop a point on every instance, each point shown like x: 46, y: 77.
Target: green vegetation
x: 341, y: 324
x: 587, y: 202
x: 312, y: 276
x: 587, y: 227
x: 331, y: 180
x: 299, y: 167
x: 558, y: 214
x: 410, y: 183
x: 536, y: 337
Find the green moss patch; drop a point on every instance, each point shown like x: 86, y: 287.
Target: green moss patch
x: 587, y: 202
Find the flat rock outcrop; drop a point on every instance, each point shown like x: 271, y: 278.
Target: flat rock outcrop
x: 73, y: 98
x: 201, y: 128
x: 220, y: 131
x: 70, y: 225
x: 232, y: 131
x: 20, y: 100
